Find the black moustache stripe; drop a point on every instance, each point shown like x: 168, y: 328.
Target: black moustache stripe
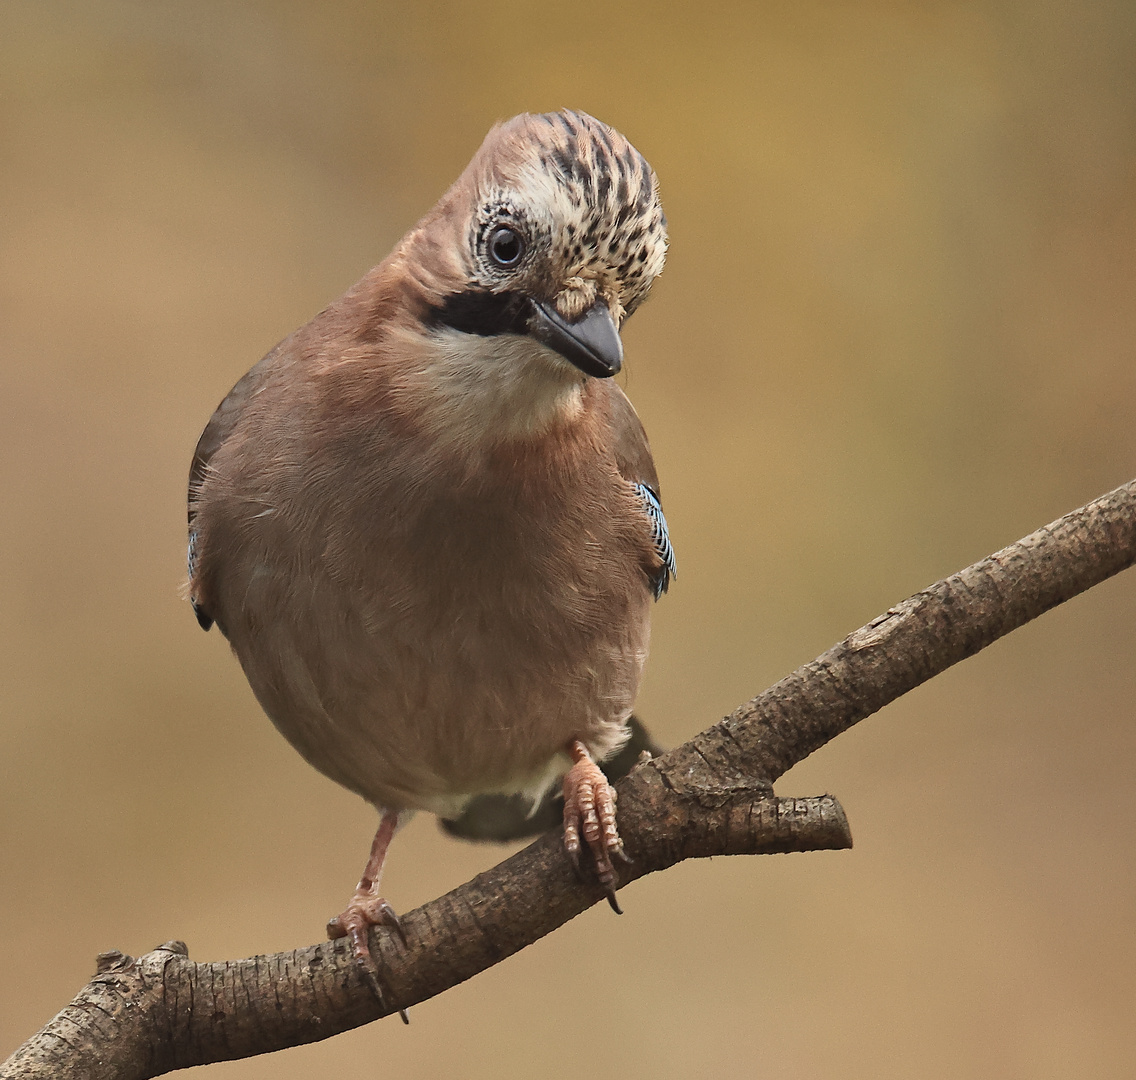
x: 483, y: 313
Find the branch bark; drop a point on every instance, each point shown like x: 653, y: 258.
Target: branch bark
x: 709, y: 796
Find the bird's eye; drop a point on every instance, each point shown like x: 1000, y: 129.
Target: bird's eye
x: 505, y: 247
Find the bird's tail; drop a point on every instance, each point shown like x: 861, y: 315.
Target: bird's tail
x: 503, y: 818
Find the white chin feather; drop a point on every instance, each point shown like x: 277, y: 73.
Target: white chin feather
x: 477, y: 389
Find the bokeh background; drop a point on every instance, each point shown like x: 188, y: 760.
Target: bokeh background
x: 896, y: 332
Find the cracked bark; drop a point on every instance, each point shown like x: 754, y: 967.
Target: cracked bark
x: 712, y: 795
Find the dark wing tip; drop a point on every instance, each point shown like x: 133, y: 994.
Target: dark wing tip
x: 204, y: 620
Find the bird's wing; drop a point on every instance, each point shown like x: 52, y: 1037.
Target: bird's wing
x: 221, y: 424
x: 223, y: 421
x: 635, y: 463
x: 629, y: 441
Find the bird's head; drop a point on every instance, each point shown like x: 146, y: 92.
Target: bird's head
x: 554, y: 234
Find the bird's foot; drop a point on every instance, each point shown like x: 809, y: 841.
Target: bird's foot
x: 589, y: 812
x: 364, y: 911
x: 355, y: 921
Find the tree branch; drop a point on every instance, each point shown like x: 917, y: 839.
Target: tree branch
x: 710, y: 796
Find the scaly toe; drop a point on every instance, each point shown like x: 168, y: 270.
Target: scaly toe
x: 355, y: 923
x: 589, y: 812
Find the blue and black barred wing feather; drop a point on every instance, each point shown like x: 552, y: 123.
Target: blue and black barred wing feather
x: 661, y: 538
x: 633, y: 457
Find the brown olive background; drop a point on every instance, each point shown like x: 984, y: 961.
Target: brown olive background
x: 896, y: 331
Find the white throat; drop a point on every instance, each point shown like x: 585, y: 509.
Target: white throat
x: 474, y: 390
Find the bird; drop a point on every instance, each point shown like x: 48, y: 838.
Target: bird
x: 429, y: 522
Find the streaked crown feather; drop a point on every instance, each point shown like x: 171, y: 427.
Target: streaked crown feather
x: 586, y: 201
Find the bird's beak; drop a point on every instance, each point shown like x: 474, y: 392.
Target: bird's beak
x: 591, y: 342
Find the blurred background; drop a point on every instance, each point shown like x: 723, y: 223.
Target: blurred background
x: 896, y: 332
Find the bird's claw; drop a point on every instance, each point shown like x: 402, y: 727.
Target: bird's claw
x: 359, y: 916
x: 589, y: 818
x: 355, y: 922
x: 572, y: 850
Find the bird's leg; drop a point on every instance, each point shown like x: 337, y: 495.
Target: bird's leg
x: 367, y: 908
x: 589, y: 810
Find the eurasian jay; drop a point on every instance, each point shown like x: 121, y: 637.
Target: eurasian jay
x: 428, y: 521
